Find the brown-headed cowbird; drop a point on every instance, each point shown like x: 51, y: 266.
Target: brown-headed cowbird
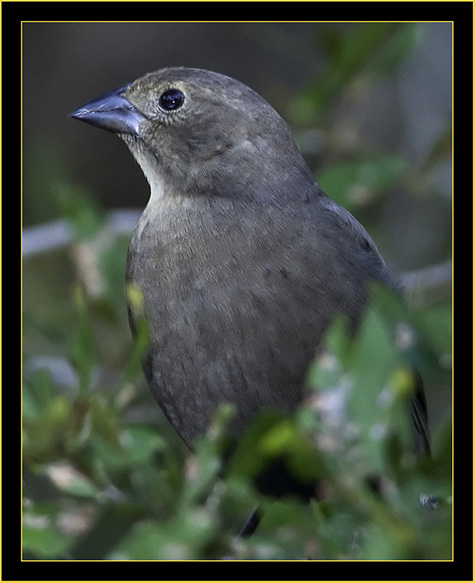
x: 241, y: 258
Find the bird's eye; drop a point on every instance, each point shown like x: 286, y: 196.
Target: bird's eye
x: 171, y: 99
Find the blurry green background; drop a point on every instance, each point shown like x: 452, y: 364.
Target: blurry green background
x: 370, y: 105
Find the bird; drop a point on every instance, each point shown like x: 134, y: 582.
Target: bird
x: 242, y: 260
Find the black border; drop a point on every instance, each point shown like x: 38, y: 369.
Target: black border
x: 461, y: 13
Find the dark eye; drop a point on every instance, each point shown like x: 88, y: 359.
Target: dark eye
x: 171, y: 99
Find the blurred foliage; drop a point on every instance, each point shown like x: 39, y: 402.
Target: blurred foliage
x: 106, y: 477
x: 99, y: 486
x: 371, y: 50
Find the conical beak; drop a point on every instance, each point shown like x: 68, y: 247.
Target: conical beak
x: 111, y: 112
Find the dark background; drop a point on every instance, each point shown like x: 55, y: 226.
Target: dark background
x: 406, y: 111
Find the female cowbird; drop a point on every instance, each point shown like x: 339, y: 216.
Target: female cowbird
x: 241, y: 258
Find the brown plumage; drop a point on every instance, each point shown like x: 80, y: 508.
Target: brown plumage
x: 242, y: 260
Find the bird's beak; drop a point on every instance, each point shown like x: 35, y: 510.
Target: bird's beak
x: 111, y: 112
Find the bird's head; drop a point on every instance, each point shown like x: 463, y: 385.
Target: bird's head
x: 195, y: 131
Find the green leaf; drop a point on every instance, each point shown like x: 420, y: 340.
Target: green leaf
x: 183, y: 538
x: 40, y: 535
x: 38, y: 391
x: 356, y: 183
x: 374, y: 390
x: 105, y: 422
x: 135, y: 301
x: 333, y: 358
x: 249, y: 457
x: 71, y: 481
x: 141, y: 443
x: 83, y: 351
x: 351, y: 56
x: 45, y: 436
